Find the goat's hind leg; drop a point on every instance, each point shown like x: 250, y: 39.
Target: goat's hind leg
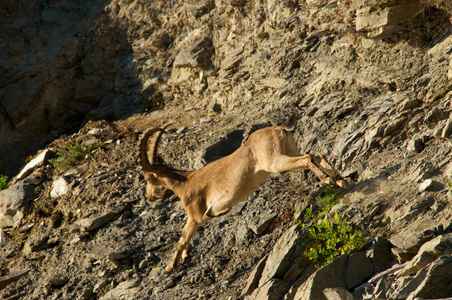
x: 182, y: 245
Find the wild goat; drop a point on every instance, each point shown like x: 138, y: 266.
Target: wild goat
x: 215, y: 188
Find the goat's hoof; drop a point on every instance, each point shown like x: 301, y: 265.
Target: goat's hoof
x: 168, y: 270
x: 342, y: 183
x: 328, y: 180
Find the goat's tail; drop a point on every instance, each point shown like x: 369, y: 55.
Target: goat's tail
x: 291, y: 122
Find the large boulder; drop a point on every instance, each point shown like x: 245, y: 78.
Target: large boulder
x: 12, y: 202
x: 346, y: 271
x: 380, y: 19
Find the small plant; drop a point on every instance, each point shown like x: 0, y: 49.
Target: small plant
x: 332, y: 236
x: 71, y: 155
x: 449, y: 184
x: 3, y: 182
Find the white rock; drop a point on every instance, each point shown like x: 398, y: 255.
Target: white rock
x: 60, y: 187
x: 99, y: 132
x: 205, y: 120
x: 425, y: 185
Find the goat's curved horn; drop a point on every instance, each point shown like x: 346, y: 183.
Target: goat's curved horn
x: 143, y: 157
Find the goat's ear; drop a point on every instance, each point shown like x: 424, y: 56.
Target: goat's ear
x: 291, y: 122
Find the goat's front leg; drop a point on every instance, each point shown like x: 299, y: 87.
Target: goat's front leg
x: 326, y: 167
x: 182, y: 245
x: 283, y: 163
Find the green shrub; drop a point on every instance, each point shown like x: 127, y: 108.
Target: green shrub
x: 71, y: 155
x: 331, y: 198
x: 3, y: 182
x: 331, y: 236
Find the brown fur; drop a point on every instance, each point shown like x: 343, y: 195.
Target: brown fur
x: 215, y: 188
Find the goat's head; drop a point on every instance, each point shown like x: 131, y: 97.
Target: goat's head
x: 155, y: 187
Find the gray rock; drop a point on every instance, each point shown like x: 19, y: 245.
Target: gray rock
x: 430, y: 251
x: 345, y: 272
x: 447, y: 130
x: 15, y: 197
x: 337, y: 294
x: 205, y: 120
x: 284, y: 265
x: 415, y: 235
x: 119, y: 254
x: 100, y: 252
x: 415, y: 146
x: 100, y: 132
x: 358, y: 269
x: 437, y: 281
x: 58, y: 280
x: 381, y: 253
x: 214, y: 107
x: 431, y: 282
x: 328, y: 276
x: 197, y: 53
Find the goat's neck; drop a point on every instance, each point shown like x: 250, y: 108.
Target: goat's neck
x: 174, y: 179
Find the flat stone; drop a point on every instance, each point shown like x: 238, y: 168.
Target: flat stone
x: 197, y: 53
x: 38, y: 161
x: 262, y: 224
x: 100, y: 252
x: 436, y: 284
x: 287, y: 249
x: 378, y: 20
x: 92, y: 223
x: 447, y: 130
x: 124, y: 290
x: 253, y: 279
x: 35, y: 243
x: 119, y: 254
x: 13, y: 276
x: 431, y: 282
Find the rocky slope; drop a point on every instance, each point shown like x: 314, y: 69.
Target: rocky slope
x: 371, y: 82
